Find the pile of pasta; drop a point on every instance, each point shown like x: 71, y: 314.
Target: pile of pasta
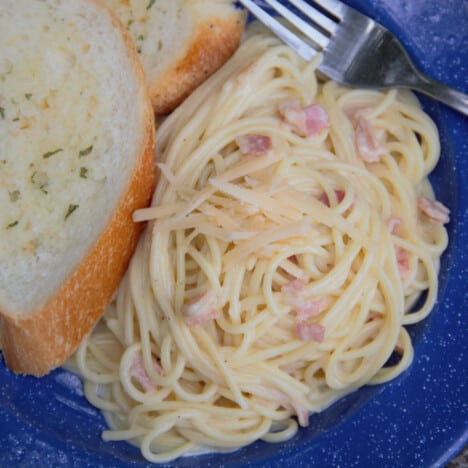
x: 293, y: 234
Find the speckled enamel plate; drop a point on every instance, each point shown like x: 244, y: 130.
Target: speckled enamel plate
x: 418, y: 420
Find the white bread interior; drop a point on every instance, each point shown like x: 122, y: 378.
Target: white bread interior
x: 180, y: 42
x: 76, y: 159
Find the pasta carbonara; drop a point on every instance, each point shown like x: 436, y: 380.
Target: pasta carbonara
x: 292, y: 236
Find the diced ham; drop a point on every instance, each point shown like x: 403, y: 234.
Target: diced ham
x: 312, y: 308
x: 316, y: 119
x: 310, y: 332
x: 368, y: 147
x: 393, y: 224
x: 402, y: 257
x: 340, y: 194
x: 254, y: 145
x: 305, y: 121
x: 294, y: 295
x: 201, y: 308
x: 434, y: 210
x: 292, y: 289
x: 138, y: 372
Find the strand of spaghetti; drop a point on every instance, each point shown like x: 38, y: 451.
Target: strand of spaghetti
x: 265, y: 355
x: 189, y: 169
x: 238, y: 329
x: 117, y: 394
x: 102, y: 376
x: 260, y: 201
x: 206, y: 395
x: 230, y: 439
x: 240, y: 170
x: 121, y: 316
x: 240, y: 252
x: 282, y: 381
x: 224, y: 370
x: 214, y: 411
x: 142, y: 302
x: 91, y: 390
x: 164, y: 425
x: 283, y: 434
x: 220, y: 217
x: 237, y: 274
x: 124, y: 434
x: 320, y: 214
x: 388, y: 373
x: 154, y: 212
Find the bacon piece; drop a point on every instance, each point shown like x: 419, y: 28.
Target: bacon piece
x: 340, y: 194
x: 254, y: 145
x: 292, y: 289
x: 316, y: 119
x: 201, y: 308
x: 368, y: 147
x: 393, y: 224
x: 305, y: 121
x: 310, y: 332
x: 293, y: 293
x: 434, y: 210
x: 402, y: 257
x: 312, y: 308
x: 138, y: 372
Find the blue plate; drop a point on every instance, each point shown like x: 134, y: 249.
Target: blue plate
x: 418, y: 420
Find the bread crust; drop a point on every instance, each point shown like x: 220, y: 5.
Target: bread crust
x: 216, y: 40
x: 37, y: 342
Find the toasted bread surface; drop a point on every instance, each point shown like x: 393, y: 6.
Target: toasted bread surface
x: 180, y: 42
x: 77, y: 159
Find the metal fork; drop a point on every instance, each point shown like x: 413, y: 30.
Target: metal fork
x: 357, y: 51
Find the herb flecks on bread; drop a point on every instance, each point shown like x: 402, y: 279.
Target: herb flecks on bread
x: 180, y: 42
x: 76, y: 159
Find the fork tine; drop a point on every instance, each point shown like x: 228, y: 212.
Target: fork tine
x: 315, y: 15
x: 335, y: 7
x: 305, y: 50
x: 311, y: 32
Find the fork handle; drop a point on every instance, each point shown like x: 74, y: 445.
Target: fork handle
x: 441, y: 92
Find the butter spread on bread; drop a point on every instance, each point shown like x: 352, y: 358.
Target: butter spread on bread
x: 180, y: 42
x: 76, y: 159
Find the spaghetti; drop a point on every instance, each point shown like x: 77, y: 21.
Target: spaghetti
x: 292, y: 236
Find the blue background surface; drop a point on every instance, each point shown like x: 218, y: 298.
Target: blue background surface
x: 418, y: 420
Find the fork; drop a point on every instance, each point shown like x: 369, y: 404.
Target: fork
x: 357, y: 51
